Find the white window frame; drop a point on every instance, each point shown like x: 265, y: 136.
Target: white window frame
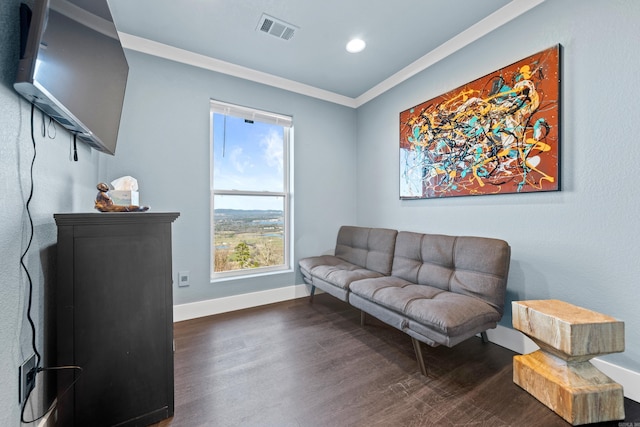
x: 264, y: 117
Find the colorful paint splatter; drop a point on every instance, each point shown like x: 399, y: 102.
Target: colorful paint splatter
x: 497, y: 134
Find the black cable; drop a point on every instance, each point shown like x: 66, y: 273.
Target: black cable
x: 52, y: 368
x: 31, y: 233
x: 37, y: 369
x: 75, y: 149
x: 24, y: 254
x: 52, y: 125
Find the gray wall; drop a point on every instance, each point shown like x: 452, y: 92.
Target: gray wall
x: 164, y: 143
x: 579, y: 244
x: 60, y: 185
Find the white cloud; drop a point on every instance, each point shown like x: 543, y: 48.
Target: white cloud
x: 273, y: 149
x: 238, y: 160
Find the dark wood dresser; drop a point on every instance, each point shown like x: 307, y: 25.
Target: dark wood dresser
x: 114, y: 318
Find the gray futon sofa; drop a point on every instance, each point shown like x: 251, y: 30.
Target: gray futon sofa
x: 438, y: 289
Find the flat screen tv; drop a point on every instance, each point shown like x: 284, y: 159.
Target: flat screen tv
x: 72, y: 67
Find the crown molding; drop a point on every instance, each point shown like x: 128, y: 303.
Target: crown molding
x: 161, y: 50
x: 500, y: 17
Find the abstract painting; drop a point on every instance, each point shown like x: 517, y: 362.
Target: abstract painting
x: 497, y: 134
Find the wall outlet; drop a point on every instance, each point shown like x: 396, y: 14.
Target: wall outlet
x: 27, y: 377
x: 183, y: 278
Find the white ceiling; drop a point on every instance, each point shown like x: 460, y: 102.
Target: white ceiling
x: 403, y: 37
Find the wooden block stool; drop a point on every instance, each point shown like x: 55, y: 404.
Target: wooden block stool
x: 560, y: 374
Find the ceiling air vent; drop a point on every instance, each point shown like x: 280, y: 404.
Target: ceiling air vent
x: 276, y: 27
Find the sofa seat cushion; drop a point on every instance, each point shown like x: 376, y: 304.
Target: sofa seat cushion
x: 445, y: 312
x: 308, y: 264
x: 334, y: 270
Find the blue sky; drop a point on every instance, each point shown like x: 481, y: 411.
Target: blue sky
x: 247, y: 156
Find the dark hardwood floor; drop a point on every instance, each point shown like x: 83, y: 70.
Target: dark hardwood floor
x: 301, y: 364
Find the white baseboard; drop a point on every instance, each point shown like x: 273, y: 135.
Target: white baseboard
x: 502, y: 336
x: 511, y: 339
x: 237, y: 302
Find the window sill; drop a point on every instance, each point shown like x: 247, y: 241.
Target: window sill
x: 248, y: 276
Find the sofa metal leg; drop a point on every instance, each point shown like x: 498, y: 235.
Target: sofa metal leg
x: 363, y: 317
x: 313, y: 291
x: 418, y: 350
x: 485, y: 338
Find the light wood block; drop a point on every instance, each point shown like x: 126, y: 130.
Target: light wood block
x: 560, y: 374
x: 577, y: 391
x: 568, y: 330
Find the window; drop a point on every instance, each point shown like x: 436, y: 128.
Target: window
x: 250, y: 191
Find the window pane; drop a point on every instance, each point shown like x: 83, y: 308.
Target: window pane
x: 247, y: 155
x: 248, y: 232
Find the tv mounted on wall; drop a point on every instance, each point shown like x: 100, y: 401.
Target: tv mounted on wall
x: 72, y: 67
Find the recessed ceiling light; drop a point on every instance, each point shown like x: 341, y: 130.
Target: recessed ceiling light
x: 356, y: 45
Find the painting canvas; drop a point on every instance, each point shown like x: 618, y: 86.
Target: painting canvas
x: 497, y: 134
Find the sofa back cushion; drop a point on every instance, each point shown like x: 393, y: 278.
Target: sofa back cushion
x: 370, y: 248
x: 473, y: 266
